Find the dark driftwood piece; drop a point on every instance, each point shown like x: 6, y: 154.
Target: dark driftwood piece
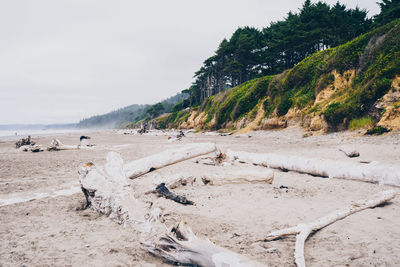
x: 350, y: 153
x: 24, y: 142
x: 164, y: 191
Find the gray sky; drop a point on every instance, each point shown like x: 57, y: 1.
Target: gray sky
x: 64, y: 60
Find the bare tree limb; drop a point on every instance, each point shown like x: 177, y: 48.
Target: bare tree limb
x: 304, y: 230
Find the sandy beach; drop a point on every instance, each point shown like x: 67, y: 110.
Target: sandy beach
x: 50, y: 231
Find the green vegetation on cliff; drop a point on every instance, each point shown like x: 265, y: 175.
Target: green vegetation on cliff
x: 367, y: 65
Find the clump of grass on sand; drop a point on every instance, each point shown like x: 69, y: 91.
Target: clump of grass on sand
x: 365, y: 122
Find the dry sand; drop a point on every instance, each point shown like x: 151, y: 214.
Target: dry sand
x: 50, y: 231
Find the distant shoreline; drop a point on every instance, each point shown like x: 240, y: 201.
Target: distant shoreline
x: 10, y: 134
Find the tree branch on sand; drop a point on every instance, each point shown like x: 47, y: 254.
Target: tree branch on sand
x: 302, y: 231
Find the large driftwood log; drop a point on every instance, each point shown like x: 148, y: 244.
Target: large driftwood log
x: 144, y: 165
x: 57, y: 145
x: 374, y: 173
x: 182, y: 246
x: 108, y: 191
x: 302, y: 231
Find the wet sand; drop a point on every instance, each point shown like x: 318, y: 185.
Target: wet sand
x: 50, y: 231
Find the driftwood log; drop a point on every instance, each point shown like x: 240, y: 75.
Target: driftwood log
x: 302, y: 231
x: 373, y: 173
x: 24, y: 142
x: 57, y: 145
x: 108, y: 191
x: 31, y: 148
x: 181, y: 246
x: 141, y: 166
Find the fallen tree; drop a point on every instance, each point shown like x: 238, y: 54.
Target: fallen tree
x: 141, y: 166
x: 302, y: 231
x: 374, y: 172
x: 108, y: 191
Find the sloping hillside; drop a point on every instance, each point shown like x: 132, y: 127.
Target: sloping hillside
x: 130, y: 115
x: 352, y: 85
x: 113, y: 119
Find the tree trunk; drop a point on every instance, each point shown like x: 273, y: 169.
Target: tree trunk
x: 141, y: 166
x: 373, y: 173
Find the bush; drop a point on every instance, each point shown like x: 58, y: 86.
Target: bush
x: 378, y: 130
x: 361, y: 123
x: 284, y: 106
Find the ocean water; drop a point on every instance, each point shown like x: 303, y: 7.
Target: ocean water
x: 24, y: 133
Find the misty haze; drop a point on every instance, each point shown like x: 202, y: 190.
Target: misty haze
x: 200, y: 133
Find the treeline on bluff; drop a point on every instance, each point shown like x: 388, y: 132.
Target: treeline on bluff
x: 128, y: 116
x: 303, y: 67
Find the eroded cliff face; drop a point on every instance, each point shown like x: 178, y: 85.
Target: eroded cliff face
x: 310, y: 118
x: 390, y: 106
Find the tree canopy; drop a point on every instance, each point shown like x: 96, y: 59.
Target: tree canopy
x: 251, y: 53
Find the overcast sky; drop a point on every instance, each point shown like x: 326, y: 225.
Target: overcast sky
x: 64, y: 60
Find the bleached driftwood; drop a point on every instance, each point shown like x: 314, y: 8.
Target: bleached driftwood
x: 144, y: 165
x: 31, y: 148
x: 302, y: 231
x: 374, y: 173
x: 56, y: 145
x: 217, y: 160
x: 108, y: 191
x: 219, y: 176
x: 238, y: 176
x: 182, y: 246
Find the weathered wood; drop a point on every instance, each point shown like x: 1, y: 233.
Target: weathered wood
x: 24, y: 142
x: 304, y: 230
x: 162, y: 190
x: 182, y: 246
x: 373, y: 173
x: 108, y: 192
x: 218, y: 176
x: 31, y: 148
x: 57, y: 145
x: 351, y: 153
x: 141, y: 166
